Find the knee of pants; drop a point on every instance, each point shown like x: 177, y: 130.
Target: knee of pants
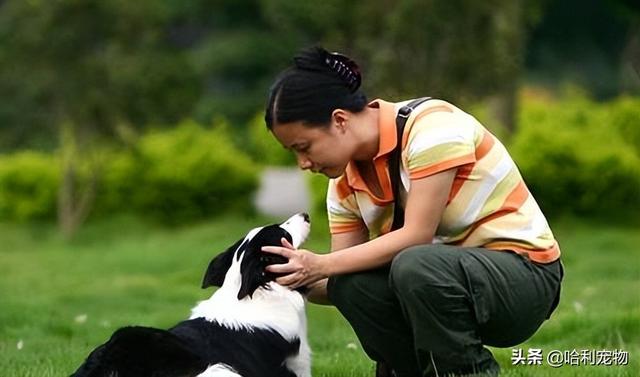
x: 427, y: 264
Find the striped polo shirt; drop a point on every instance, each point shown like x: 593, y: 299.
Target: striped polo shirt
x: 489, y: 204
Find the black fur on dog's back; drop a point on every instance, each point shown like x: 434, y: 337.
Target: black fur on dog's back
x: 187, y: 350
x: 142, y: 351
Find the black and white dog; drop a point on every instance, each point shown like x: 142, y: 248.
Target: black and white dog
x: 251, y: 326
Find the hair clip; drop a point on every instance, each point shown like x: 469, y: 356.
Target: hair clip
x: 346, y: 68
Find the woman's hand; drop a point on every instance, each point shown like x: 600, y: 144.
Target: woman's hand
x: 304, y: 267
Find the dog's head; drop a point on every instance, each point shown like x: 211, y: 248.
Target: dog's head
x: 244, y: 262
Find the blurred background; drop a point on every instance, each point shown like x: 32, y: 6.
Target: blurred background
x: 155, y: 107
x: 133, y: 149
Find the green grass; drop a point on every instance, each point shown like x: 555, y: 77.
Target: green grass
x: 58, y: 299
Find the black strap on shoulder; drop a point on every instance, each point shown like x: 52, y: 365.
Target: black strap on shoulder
x: 394, y: 160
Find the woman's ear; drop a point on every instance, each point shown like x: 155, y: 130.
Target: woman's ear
x: 340, y: 117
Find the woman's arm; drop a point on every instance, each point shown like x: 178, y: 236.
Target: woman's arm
x: 426, y: 202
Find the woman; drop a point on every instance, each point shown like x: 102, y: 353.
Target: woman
x: 474, y: 263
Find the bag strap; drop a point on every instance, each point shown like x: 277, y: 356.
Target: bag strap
x: 394, y: 160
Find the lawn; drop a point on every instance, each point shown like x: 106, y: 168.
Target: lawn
x: 58, y: 299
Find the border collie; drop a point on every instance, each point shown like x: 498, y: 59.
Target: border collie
x: 251, y: 326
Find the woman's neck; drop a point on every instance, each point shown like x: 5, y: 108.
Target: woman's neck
x: 368, y: 135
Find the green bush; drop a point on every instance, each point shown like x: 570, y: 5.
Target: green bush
x: 28, y: 186
x: 189, y: 172
x: 120, y: 178
x: 265, y: 148
x: 317, y: 184
x: 172, y: 176
x: 625, y: 116
x: 575, y: 158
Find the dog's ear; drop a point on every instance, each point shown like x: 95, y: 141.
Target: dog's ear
x: 253, y: 276
x: 219, y: 266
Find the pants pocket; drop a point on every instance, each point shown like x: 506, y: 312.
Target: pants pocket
x: 477, y: 288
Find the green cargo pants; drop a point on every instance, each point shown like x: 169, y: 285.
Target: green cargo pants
x: 435, y: 307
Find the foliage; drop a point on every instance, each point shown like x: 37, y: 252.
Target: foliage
x: 189, y: 172
x: 264, y: 148
x: 28, y: 186
x: 597, y: 55
x: 580, y: 156
x: 79, y: 68
x: 172, y: 176
x: 103, y: 63
x: 401, y: 43
x: 89, y: 63
x: 318, y: 187
x: 624, y: 114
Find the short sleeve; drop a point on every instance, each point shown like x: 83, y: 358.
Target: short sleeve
x: 437, y: 142
x: 342, y: 208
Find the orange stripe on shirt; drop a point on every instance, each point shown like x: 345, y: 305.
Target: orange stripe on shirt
x: 346, y: 227
x: 516, y: 198
x: 512, y: 203
x: 465, y: 171
x: 485, y: 145
x: 539, y: 256
x: 460, y: 179
x: 441, y: 166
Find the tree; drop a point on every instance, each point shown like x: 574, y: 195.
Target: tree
x: 86, y: 67
x: 591, y: 43
x: 459, y: 49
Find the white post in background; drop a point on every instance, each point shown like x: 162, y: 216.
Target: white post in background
x: 283, y: 191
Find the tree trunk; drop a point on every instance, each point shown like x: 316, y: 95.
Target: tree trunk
x: 74, y: 201
x: 503, y: 108
x: 510, y: 30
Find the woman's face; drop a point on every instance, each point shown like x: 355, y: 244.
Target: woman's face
x: 323, y: 150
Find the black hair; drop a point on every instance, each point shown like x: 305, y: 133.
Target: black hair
x: 318, y: 83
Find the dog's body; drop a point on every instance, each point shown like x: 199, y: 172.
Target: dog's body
x: 251, y: 326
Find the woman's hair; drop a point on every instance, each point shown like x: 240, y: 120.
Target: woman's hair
x: 318, y: 83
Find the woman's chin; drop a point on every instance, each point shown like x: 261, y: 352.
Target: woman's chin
x: 331, y: 172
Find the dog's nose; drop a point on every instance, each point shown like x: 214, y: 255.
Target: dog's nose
x: 306, y: 217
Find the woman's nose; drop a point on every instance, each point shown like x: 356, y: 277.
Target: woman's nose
x: 303, y: 162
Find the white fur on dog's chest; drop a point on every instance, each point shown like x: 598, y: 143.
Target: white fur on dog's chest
x: 276, y: 308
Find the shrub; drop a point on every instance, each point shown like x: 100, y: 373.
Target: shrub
x: 178, y: 175
x: 624, y: 114
x: 317, y: 184
x: 265, y: 149
x: 120, y: 178
x: 29, y: 184
x: 189, y: 172
x: 574, y: 157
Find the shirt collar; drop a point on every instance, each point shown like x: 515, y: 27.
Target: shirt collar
x: 386, y: 125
